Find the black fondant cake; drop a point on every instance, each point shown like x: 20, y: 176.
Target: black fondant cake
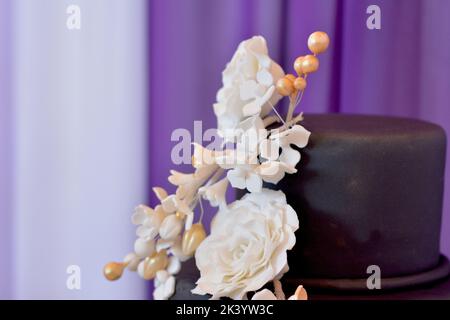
x: 369, y: 192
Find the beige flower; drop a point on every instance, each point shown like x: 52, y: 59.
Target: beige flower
x: 248, y: 86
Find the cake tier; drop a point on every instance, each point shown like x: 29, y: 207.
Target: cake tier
x: 368, y: 192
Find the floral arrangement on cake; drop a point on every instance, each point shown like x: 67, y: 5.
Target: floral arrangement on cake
x: 247, y: 246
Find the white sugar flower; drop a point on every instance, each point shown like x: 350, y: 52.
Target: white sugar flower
x: 247, y: 245
x: 245, y: 177
x: 275, y: 164
x: 165, y: 280
x: 274, y: 171
x: 164, y: 285
x: 144, y: 247
x: 148, y: 220
x: 202, y: 156
x: 171, y: 227
x: 248, y: 86
x: 215, y: 193
x: 297, y: 135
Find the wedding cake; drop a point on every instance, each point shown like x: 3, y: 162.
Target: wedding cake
x: 328, y: 202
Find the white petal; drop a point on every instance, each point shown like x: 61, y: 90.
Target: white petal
x: 189, y: 220
x: 158, y: 293
x: 270, y: 169
x: 264, y: 294
x: 236, y: 178
x: 178, y: 178
x: 227, y: 159
x: 202, y: 156
x: 269, y: 149
x: 273, y: 171
x: 132, y: 261
x: 247, y: 90
x: 297, y: 135
x: 169, y: 204
x: 163, y: 244
x: 169, y: 287
x: 219, y: 109
x: 146, y: 232
x: 141, y: 212
x: 264, y: 77
x: 162, y: 276
x: 252, y: 108
x: 215, y: 193
x: 170, y: 227
x: 254, y: 183
x: 292, y: 218
x: 174, y: 265
x: 290, y: 156
x: 263, y: 60
x: 140, y: 269
x: 160, y: 193
x: 198, y: 290
x: 144, y: 248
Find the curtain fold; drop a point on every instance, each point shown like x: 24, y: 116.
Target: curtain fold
x: 79, y: 146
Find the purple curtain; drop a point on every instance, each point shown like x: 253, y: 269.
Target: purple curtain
x: 399, y: 70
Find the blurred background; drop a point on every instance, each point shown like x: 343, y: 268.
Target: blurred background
x: 86, y: 115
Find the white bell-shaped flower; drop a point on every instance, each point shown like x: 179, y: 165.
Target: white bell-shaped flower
x: 144, y: 248
x: 164, y: 285
x: 215, y: 193
x: 171, y: 227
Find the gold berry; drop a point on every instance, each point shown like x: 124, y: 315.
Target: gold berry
x: 285, y: 87
x: 192, y: 239
x: 290, y: 77
x: 113, y: 270
x: 153, y: 264
x: 298, y: 65
x: 310, y: 64
x: 300, y: 84
x: 318, y: 42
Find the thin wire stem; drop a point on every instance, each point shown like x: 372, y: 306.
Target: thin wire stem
x: 276, y: 112
x: 201, y: 208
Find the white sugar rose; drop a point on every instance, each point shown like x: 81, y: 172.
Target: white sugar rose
x: 248, y: 86
x: 247, y: 245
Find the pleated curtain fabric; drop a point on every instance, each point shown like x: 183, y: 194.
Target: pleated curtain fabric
x: 87, y: 116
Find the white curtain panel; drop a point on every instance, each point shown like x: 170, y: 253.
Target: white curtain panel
x: 79, y: 157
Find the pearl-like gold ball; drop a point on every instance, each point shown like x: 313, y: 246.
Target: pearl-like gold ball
x: 153, y: 264
x: 290, y: 77
x: 298, y: 65
x: 113, y: 270
x: 300, y: 84
x: 318, y: 42
x: 310, y: 64
x: 192, y: 239
x: 285, y: 87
